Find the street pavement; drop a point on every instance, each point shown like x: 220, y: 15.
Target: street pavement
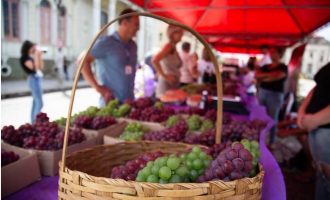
x: 16, y: 111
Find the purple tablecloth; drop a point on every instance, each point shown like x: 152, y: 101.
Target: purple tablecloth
x: 273, y: 185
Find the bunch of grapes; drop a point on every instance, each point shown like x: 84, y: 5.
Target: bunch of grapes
x: 8, y: 157
x: 194, y: 123
x: 130, y: 170
x: 42, y: 117
x: 10, y: 135
x: 233, y: 163
x: 253, y: 147
x: 121, y: 111
x: 171, y: 121
x: 207, y: 138
x: 174, y: 169
x: 133, y: 132
x: 109, y: 108
x: 152, y: 114
x: 142, y: 103
x: 100, y: 122
x: 95, y: 123
x: 42, y: 135
x: 174, y: 134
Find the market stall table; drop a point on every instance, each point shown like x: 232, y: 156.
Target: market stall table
x: 273, y: 187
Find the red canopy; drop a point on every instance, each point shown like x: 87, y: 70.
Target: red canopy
x: 245, y: 25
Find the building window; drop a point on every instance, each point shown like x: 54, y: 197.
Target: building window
x: 11, y: 18
x: 61, y: 28
x: 45, y: 21
x: 104, y: 18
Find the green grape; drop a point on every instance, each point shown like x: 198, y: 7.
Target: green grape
x: 182, y: 171
x: 175, y: 179
x: 165, y: 173
x: 196, y: 149
x: 171, y: 121
x: 173, y: 163
x: 197, y: 164
x: 161, y: 181
x: 246, y: 144
x: 192, y: 156
x: 140, y: 178
x: 155, y: 169
x: 194, y: 122
x: 202, y: 155
x: 189, y: 164
x: 193, y: 175
x: 150, y: 163
x: 161, y: 161
x: 152, y: 179
x: 207, y: 125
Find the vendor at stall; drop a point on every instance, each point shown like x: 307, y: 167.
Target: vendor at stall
x: 271, y: 79
x: 167, y: 62
x: 115, y: 58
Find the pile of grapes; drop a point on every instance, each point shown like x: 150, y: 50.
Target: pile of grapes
x: 175, y: 169
x: 175, y: 133
x: 41, y: 135
x: 8, y: 157
x: 94, y: 123
x: 234, y: 162
x: 134, y: 131
x: 130, y: 170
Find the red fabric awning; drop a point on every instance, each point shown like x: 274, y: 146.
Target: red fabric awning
x: 245, y: 25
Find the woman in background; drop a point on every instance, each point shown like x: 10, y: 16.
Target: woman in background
x: 167, y: 62
x: 32, y: 63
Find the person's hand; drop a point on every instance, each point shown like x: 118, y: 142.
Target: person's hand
x: 170, y: 78
x: 309, y: 122
x: 105, y: 92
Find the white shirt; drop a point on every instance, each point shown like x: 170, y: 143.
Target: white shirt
x: 186, y: 76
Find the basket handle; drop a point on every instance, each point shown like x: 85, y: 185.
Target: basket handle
x: 168, y: 21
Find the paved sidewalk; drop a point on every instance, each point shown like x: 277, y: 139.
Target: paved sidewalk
x: 18, y: 88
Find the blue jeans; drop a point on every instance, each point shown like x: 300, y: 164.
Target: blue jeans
x: 35, y: 85
x: 272, y: 101
x: 319, y: 144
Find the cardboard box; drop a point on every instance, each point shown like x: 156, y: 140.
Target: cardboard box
x: 113, y: 136
x: 98, y: 134
x: 20, y: 173
x: 48, y: 160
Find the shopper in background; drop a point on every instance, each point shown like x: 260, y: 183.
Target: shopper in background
x: 32, y: 63
x: 271, y: 92
x: 248, y: 79
x: 314, y: 115
x: 115, y: 58
x: 206, y: 69
x: 186, y: 68
x: 266, y: 58
x: 167, y: 62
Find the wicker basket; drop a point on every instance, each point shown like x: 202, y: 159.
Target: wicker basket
x: 83, y: 174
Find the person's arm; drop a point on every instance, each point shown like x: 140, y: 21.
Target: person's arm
x: 302, y: 108
x: 312, y: 121
x: 156, y: 63
x: 90, y: 78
